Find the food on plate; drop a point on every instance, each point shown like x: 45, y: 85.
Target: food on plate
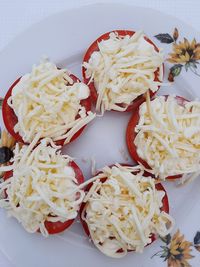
x: 50, y: 101
x: 40, y: 187
x: 124, y: 210
x: 119, y: 67
x: 164, y: 136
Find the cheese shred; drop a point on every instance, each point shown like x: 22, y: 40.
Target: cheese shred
x: 123, y: 211
x: 123, y: 69
x: 43, y: 187
x: 168, y: 136
x: 48, y: 101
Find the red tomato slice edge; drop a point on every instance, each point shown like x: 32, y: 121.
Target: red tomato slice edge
x: 159, y: 187
x: 94, y: 47
x: 131, y: 135
x: 58, y: 227
x: 10, y: 119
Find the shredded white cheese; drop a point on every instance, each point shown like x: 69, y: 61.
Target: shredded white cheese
x: 43, y: 187
x: 123, y: 69
x: 48, y: 101
x: 124, y: 211
x: 168, y: 137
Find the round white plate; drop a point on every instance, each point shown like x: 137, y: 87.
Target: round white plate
x: 64, y: 38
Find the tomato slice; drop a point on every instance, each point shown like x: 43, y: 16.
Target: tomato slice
x: 94, y: 47
x: 57, y: 227
x: 158, y: 186
x: 10, y: 119
x: 131, y: 135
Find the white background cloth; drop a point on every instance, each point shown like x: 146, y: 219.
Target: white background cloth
x: 18, y: 15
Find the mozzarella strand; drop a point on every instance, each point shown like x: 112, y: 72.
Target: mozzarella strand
x: 168, y: 137
x: 123, y: 69
x: 48, y: 101
x: 123, y: 211
x: 43, y: 187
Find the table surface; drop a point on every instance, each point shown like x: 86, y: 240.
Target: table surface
x: 18, y: 15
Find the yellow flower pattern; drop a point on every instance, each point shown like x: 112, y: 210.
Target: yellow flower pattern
x: 185, y: 53
x: 177, y: 250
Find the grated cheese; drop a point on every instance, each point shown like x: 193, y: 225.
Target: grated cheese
x: 168, y: 136
x: 49, y: 102
x: 122, y: 212
x: 123, y: 69
x: 43, y: 187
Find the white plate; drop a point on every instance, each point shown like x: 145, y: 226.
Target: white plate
x: 64, y: 37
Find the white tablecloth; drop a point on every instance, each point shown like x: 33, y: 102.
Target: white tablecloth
x: 17, y: 15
